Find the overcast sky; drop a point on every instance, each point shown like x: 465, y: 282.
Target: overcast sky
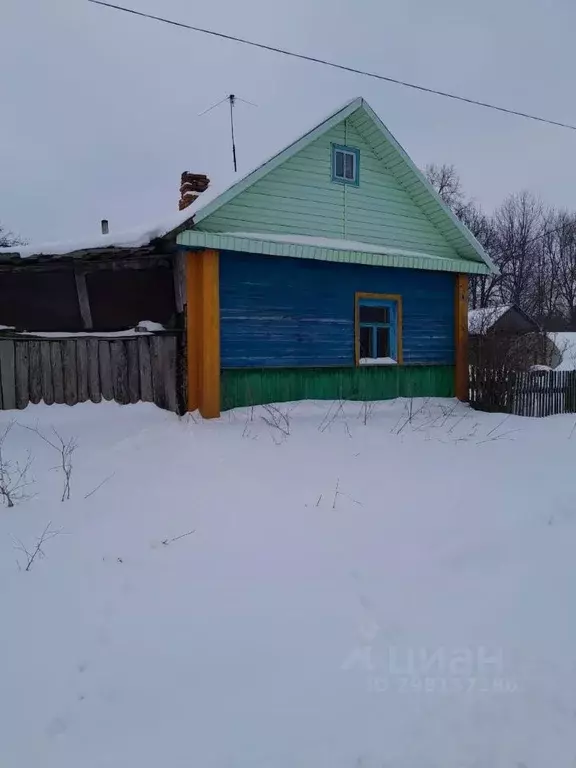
x: 99, y: 109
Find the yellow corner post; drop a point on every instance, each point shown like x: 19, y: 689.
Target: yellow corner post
x: 203, y: 332
x: 461, y: 337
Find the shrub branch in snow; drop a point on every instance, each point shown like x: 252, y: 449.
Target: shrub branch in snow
x: 494, y: 435
x: 66, y: 449
x: 36, y: 551
x: 93, y: 491
x: 335, y: 408
x: 14, y: 477
x: 337, y: 493
x: 411, y: 414
x: 367, y: 410
x: 441, y: 419
x: 278, y: 422
x: 166, y: 542
x: 247, y: 431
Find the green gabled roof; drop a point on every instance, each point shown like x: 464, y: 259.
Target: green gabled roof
x: 468, y: 254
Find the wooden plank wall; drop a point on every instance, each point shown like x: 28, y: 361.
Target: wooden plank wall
x: 284, y: 312
x: 77, y: 369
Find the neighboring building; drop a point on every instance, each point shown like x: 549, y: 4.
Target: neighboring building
x: 505, y: 336
x: 103, y: 283
x: 333, y: 270
x: 502, y: 318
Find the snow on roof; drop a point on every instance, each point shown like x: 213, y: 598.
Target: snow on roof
x: 144, y: 235
x: 128, y: 239
x: 334, y: 244
x: 132, y: 238
x: 136, y: 237
x: 481, y: 320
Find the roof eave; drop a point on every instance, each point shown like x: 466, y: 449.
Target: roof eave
x: 197, y: 239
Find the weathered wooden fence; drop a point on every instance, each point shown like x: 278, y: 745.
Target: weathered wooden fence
x: 524, y: 393
x: 77, y: 369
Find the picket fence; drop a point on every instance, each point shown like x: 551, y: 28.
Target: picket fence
x: 524, y: 393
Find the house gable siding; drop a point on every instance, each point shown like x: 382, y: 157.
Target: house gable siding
x: 282, y: 312
x: 299, y: 197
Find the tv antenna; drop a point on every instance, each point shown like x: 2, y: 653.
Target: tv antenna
x: 231, y: 99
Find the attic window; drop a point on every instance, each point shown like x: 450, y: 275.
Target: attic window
x: 345, y: 165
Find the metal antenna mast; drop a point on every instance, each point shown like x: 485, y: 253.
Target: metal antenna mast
x: 231, y: 99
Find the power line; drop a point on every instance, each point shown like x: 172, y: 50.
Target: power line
x: 334, y: 65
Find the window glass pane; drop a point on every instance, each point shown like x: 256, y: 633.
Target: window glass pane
x: 349, y: 166
x: 339, y: 164
x: 383, y: 336
x: 366, y: 341
x: 374, y: 314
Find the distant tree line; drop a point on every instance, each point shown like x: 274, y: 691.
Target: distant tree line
x: 533, y: 245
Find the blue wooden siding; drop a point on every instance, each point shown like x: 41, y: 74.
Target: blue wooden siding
x: 292, y: 312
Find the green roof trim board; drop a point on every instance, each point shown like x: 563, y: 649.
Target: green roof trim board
x: 325, y: 250
x: 291, y: 206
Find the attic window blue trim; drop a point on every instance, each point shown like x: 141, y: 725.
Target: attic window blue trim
x: 345, y: 165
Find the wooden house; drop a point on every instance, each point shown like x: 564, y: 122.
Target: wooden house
x: 333, y: 270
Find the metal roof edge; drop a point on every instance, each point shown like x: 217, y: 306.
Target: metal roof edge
x: 196, y: 239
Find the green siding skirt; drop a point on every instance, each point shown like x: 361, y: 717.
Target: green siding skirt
x: 255, y: 386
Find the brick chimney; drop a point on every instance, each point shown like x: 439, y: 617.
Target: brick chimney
x: 191, y: 186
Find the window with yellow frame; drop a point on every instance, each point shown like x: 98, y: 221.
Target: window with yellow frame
x: 378, y: 329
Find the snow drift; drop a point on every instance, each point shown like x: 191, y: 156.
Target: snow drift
x: 309, y: 586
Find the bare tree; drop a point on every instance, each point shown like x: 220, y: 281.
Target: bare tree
x: 484, y: 289
x: 562, y: 245
x: 445, y: 180
x: 534, y: 248
x: 447, y: 183
x: 544, y: 297
x: 518, y: 228
x: 8, y: 239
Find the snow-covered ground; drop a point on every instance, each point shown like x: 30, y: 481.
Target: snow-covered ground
x: 387, y: 586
